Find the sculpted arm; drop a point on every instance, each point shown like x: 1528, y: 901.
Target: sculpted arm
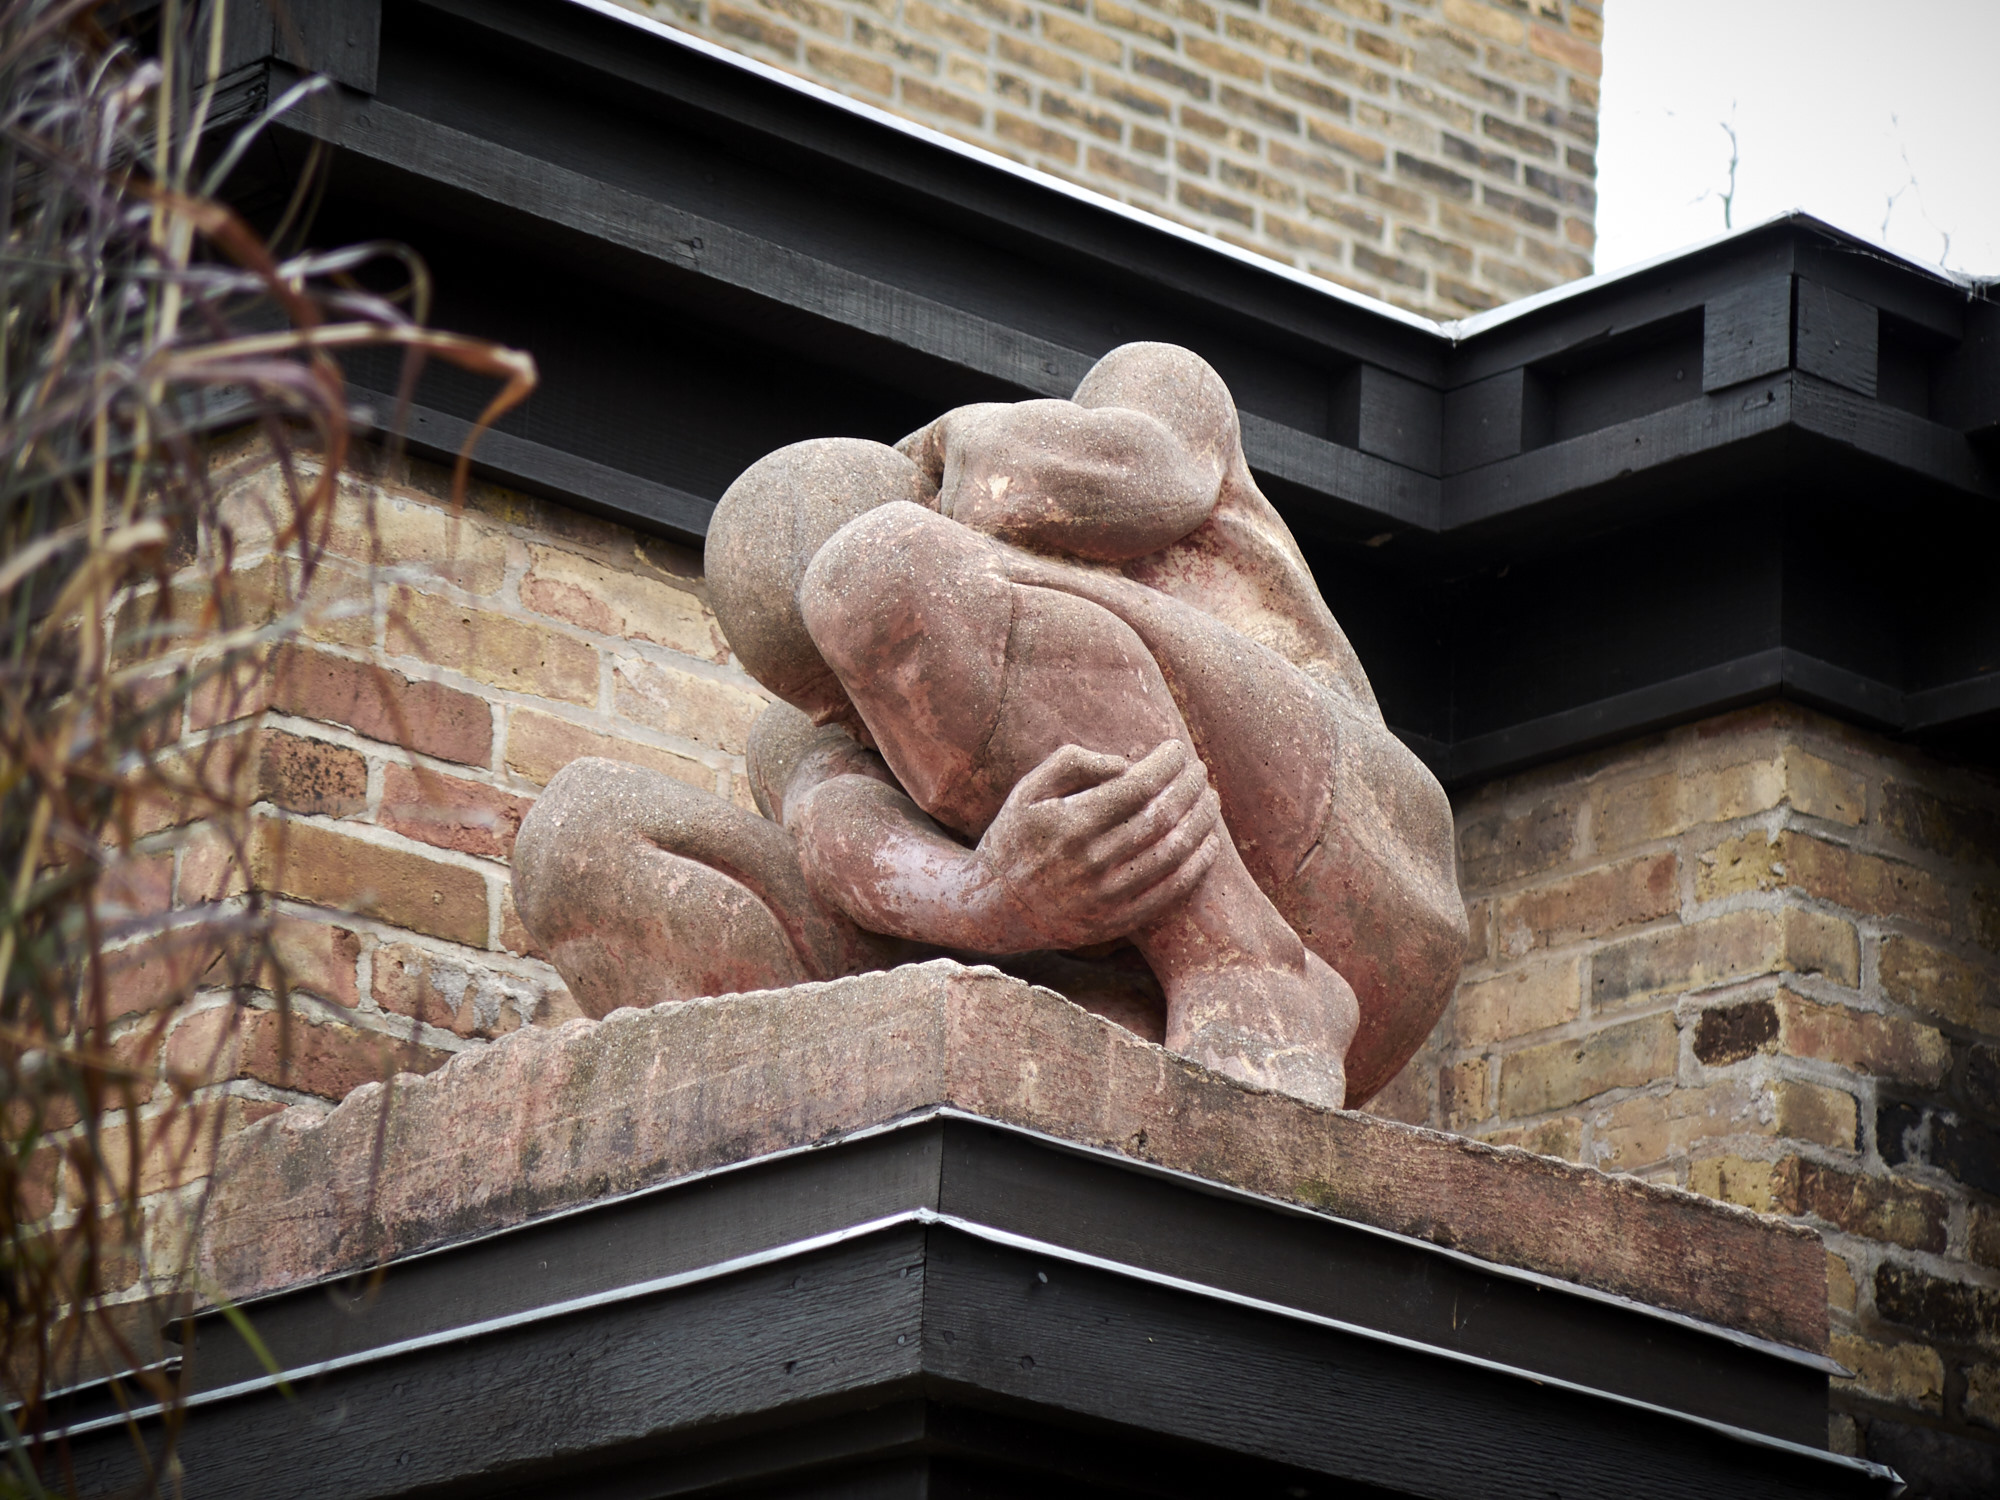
x: 1105, y: 484
x: 1086, y: 849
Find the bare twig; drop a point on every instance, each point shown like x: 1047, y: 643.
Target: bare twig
x: 132, y: 641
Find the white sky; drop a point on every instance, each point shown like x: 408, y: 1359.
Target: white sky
x: 1837, y: 105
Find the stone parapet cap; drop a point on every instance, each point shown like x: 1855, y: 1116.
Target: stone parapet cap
x: 549, y: 1120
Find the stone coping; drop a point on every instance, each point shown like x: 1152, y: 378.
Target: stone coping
x: 547, y: 1120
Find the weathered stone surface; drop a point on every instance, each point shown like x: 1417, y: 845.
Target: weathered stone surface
x: 547, y: 1119
x: 1074, y: 634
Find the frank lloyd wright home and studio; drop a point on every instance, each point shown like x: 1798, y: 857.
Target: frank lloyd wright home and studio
x: 1681, y: 582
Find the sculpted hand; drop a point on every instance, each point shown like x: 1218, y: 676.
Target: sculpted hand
x: 1089, y: 847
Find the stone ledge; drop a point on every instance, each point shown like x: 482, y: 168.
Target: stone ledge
x: 548, y: 1120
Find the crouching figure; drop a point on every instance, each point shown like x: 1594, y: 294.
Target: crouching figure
x: 1058, y: 692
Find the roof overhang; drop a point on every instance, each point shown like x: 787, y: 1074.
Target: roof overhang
x: 1765, y: 465
x: 947, y: 1294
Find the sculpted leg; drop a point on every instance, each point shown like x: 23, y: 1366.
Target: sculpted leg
x: 968, y: 679
x: 1339, y: 824
x: 642, y: 889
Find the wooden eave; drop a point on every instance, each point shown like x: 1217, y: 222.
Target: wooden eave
x: 1765, y: 466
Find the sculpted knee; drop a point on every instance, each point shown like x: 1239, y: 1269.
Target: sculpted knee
x: 641, y: 889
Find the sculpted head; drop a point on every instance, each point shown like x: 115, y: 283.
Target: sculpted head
x: 767, y: 529
x: 1177, y: 388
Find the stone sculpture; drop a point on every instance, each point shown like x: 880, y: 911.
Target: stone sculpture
x: 1057, y: 691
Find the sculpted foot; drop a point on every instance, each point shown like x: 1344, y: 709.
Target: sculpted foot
x: 1275, y: 1030
x: 1245, y: 996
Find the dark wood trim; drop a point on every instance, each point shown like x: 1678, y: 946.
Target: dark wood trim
x: 544, y: 469
x: 1801, y: 399
x: 980, y: 1269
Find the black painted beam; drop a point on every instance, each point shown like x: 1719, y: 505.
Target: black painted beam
x: 987, y: 1294
x: 1591, y: 514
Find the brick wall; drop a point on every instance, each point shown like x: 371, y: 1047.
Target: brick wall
x: 1438, y: 154
x: 496, y: 646
x: 1759, y: 957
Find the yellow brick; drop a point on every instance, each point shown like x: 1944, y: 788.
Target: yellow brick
x: 1840, y: 1289
x: 406, y: 534
x: 1902, y: 1374
x: 1579, y: 56
x: 1508, y: 30
x: 1929, y: 979
x: 1752, y: 861
x: 1863, y: 882
x: 1530, y: 998
x: 1265, y: 39
x: 1641, y: 1132
x: 847, y: 67
x: 1732, y: 1179
x: 397, y: 886
x: 539, y: 745
x: 1462, y: 1093
x: 1079, y: 38
x: 1041, y: 60
x: 1809, y: 1112
x: 1984, y: 1239
x: 811, y: 13
x: 1313, y: 18
x: 1845, y: 877
x: 1819, y: 944
x: 340, y: 607
x: 577, y: 591
x: 1224, y: 59
x: 712, y: 713
x: 1538, y: 1079
x: 1407, y: 1097
x: 492, y: 648
x: 943, y: 23
x: 1734, y: 946
x: 1820, y: 789
x: 1886, y: 1046
x: 1592, y: 904
x: 1563, y: 1138
x: 1984, y: 911
x: 1662, y: 806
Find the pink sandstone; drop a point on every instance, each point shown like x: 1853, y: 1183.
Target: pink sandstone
x: 551, y: 1119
